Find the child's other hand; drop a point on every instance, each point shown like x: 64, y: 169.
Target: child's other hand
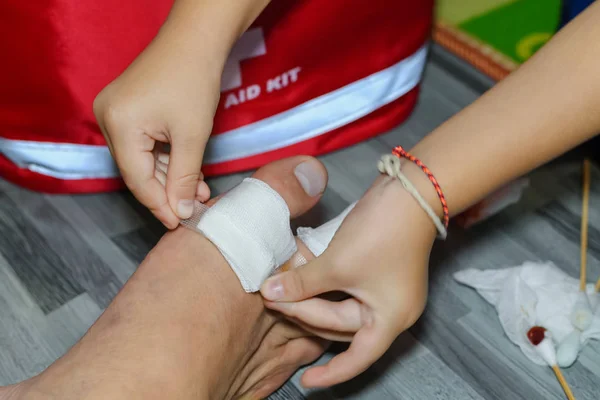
x: 380, y: 257
x: 167, y: 96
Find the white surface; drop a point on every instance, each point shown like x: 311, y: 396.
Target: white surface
x: 532, y: 294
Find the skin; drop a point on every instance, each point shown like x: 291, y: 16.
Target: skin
x: 545, y: 108
x: 169, y: 95
x: 183, y: 327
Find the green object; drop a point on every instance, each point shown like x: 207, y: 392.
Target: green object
x: 516, y: 29
x: 457, y: 11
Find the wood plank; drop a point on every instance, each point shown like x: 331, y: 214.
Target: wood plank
x: 80, y: 264
x: 22, y: 351
x: 95, y: 237
x: 109, y: 211
x: 34, y: 260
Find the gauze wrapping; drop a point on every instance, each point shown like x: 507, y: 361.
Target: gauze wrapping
x: 318, y: 239
x: 250, y: 225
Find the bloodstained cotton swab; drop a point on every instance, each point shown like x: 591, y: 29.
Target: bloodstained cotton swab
x: 540, y: 339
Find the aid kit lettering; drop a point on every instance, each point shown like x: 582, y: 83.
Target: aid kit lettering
x: 252, y: 92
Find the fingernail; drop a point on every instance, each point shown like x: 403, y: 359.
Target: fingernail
x: 311, y: 177
x: 185, y: 208
x: 273, y: 289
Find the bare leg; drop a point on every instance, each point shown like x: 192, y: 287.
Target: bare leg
x: 182, y: 327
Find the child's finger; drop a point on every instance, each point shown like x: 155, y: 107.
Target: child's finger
x: 345, y: 337
x: 162, y: 164
x: 133, y: 153
x: 302, y: 283
x: 183, y: 176
x: 369, y: 344
x: 202, y: 191
x: 147, y: 185
x: 342, y: 316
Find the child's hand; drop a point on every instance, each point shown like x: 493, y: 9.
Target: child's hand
x: 168, y: 95
x: 380, y: 257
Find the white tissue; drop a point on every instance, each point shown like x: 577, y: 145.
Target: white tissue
x: 318, y: 239
x: 594, y: 300
x: 532, y: 294
x: 568, y: 349
x: 582, y: 315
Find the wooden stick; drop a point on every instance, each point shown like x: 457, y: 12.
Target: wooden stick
x: 563, y: 382
x: 584, y: 224
x: 598, y: 286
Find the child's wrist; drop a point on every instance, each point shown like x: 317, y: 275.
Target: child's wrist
x: 208, y: 30
x: 194, y: 48
x: 413, y: 178
x: 424, y: 185
x: 404, y: 211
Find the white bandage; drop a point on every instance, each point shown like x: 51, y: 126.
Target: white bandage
x: 250, y: 225
x: 318, y: 239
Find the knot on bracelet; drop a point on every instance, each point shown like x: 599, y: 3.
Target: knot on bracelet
x: 390, y: 164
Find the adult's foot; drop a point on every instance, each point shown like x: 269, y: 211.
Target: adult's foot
x: 13, y: 392
x: 284, y: 350
x: 182, y: 327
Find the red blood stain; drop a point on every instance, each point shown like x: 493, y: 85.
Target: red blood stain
x: 536, y: 335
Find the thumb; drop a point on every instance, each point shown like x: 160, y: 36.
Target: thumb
x: 185, y: 162
x: 307, y: 281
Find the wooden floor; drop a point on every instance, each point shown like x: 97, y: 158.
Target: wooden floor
x: 63, y: 258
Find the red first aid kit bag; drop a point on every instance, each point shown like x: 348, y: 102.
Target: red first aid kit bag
x: 308, y: 77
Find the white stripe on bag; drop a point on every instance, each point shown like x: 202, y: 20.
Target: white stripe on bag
x: 311, y: 119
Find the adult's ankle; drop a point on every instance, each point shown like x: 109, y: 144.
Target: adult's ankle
x: 184, y: 319
x: 182, y: 327
x: 8, y: 393
x: 20, y: 391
